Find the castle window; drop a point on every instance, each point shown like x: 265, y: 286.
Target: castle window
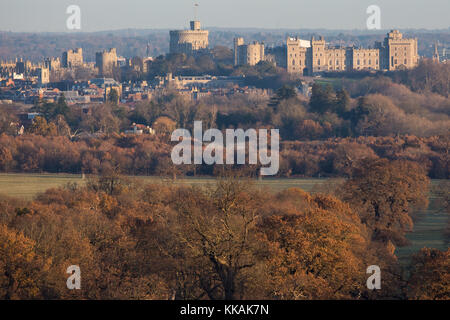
x: 406, y: 61
x: 318, y: 62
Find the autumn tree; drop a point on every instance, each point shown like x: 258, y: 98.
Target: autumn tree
x: 284, y: 93
x: 182, y: 111
x: 21, y: 269
x: 215, y: 231
x: 442, y: 194
x: 102, y: 119
x: 51, y: 110
x: 428, y: 76
x: 342, y: 104
x: 322, y: 98
x: 430, y: 277
x: 113, y: 97
x: 385, y: 193
x: 40, y: 126
x: 316, y: 248
x: 346, y: 155
x: 8, y: 120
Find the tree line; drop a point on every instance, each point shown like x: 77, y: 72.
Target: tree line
x: 228, y: 241
x: 150, y: 155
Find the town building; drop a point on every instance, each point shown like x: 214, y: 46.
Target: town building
x: 52, y: 63
x: 43, y: 75
x: 205, y: 81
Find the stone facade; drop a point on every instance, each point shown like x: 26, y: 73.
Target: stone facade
x: 106, y: 61
x: 298, y: 56
x: 398, y: 52
x: 52, y: 63
x: 336, y: 59
x: 311, y: 57
x: 319, y: 55
x: 363, y: 59
x: 72, y: 58
x: 276, y: 55
x: 250, y: 54
x: 43, y: 75
x: 196, y: 82
x: 23, y: 67
x: 189, y: 41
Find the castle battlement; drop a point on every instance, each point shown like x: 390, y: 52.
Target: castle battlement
x: 395, y: 53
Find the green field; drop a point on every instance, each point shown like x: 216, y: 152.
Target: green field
x: 428, y: 229
x: 27, y: 186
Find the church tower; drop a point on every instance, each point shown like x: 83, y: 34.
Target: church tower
x: 436, y: 53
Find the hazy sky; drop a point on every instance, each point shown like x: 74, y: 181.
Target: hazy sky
x: 50, y: 15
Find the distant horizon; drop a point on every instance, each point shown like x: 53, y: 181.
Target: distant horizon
x: 28, y: 16
x: 213, y: 28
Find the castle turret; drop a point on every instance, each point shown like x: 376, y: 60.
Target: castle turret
x: 195, y: 25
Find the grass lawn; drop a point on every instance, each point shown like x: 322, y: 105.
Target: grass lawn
x: 27, y: 186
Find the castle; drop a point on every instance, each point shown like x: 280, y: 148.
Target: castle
x: 72, y: 58
x: 311, y: 57
x: 106, y: 61
x: 249, y: 54
x: 189, y: 41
